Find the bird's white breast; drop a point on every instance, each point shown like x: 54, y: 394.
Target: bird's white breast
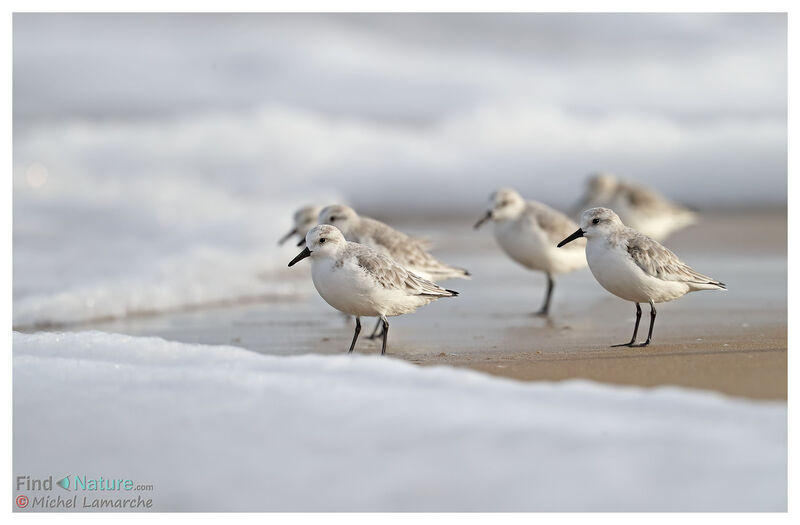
x: 347, y: 287
x: 523, y: 245
x: 343, y: 285
x: 614, y: 269
x: 531, y: 247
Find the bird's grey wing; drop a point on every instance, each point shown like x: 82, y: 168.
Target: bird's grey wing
x: 640, y: 197
x: 423, y: 242
x: 555, y: 224
x: 390, y: 275
x: 406, y: 250
x: 648, y: 200
x: 657, y: 261
x: 403, y: 248
x: 384, y: 235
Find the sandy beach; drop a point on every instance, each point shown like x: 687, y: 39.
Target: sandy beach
x: 733, y: 342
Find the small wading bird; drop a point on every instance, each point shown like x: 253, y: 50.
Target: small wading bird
x: 359, y: 281
x: 409, y: 252
x: 638, y: 207
x: 528, y: 232
x: 634, y: 267
x: 304, y: 219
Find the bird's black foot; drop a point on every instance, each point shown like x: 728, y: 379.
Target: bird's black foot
x: 542, y: 313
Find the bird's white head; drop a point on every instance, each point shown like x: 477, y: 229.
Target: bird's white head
x: 321, y: 240
x: 343, y: 217
x: 504, y: 204
x: 325, y: 239
x: 599, y: 222
x: 595, y: 222
x: 304, y: 219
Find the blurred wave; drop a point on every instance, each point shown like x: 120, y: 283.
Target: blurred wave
x: 119, y: 219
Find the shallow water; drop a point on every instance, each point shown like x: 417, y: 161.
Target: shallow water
x: 494, y: 311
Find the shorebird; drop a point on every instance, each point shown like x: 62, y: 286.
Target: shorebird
x: 640, y: 208
x: 360, y: 281
x: 409, y: 252
x: 528, y: 232
x: 304, y: 219
x: 635, y: 267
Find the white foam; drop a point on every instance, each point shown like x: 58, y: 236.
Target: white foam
x: 221, y: 428
x: 125, y: 224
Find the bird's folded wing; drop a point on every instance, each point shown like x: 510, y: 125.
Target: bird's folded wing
x: 657, y: 261
x: 557, y: 225
x: 649, y: 202
x: 390, y: 275
x: 423, y: 242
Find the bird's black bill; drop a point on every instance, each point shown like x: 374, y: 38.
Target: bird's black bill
x: 300, y: 256
x: 577, y: 234
x: 483, y: 219
x: 286, y: 237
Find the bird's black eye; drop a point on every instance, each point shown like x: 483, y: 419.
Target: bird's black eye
x: 333, y: 219
x: 595, y: 221
x: 322, y: 241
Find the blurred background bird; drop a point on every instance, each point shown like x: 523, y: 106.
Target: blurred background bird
x: 640, y: 208
x: 304, y: 219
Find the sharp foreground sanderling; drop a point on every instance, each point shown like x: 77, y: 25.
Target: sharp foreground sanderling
x: 360, y: 281
x: 528, y: 233
x: 304, y: 219
x: 408, y: 251
x: 635, y: 267
x: 640, y: 208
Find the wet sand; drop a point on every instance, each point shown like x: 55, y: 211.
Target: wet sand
x: 750, y: 366
x: 733, y: 342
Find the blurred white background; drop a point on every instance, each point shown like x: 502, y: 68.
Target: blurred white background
x: 403, y: 109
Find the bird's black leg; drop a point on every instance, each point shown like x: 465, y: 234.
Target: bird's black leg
x: 635, y: 327
x: 355, y: 335
x: 375, y: 332
x: 652, y: 322
x: 546, y: 306
x: 385, y: 334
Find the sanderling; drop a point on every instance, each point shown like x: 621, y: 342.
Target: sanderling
x: 635, y: 267
x: 408, y: 251
x: 304, y: 219
x: 528, y: 233
x: 360, y: 281
x: 640, y: 208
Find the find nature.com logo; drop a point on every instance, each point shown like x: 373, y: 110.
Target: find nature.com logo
x: 81, y: 484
